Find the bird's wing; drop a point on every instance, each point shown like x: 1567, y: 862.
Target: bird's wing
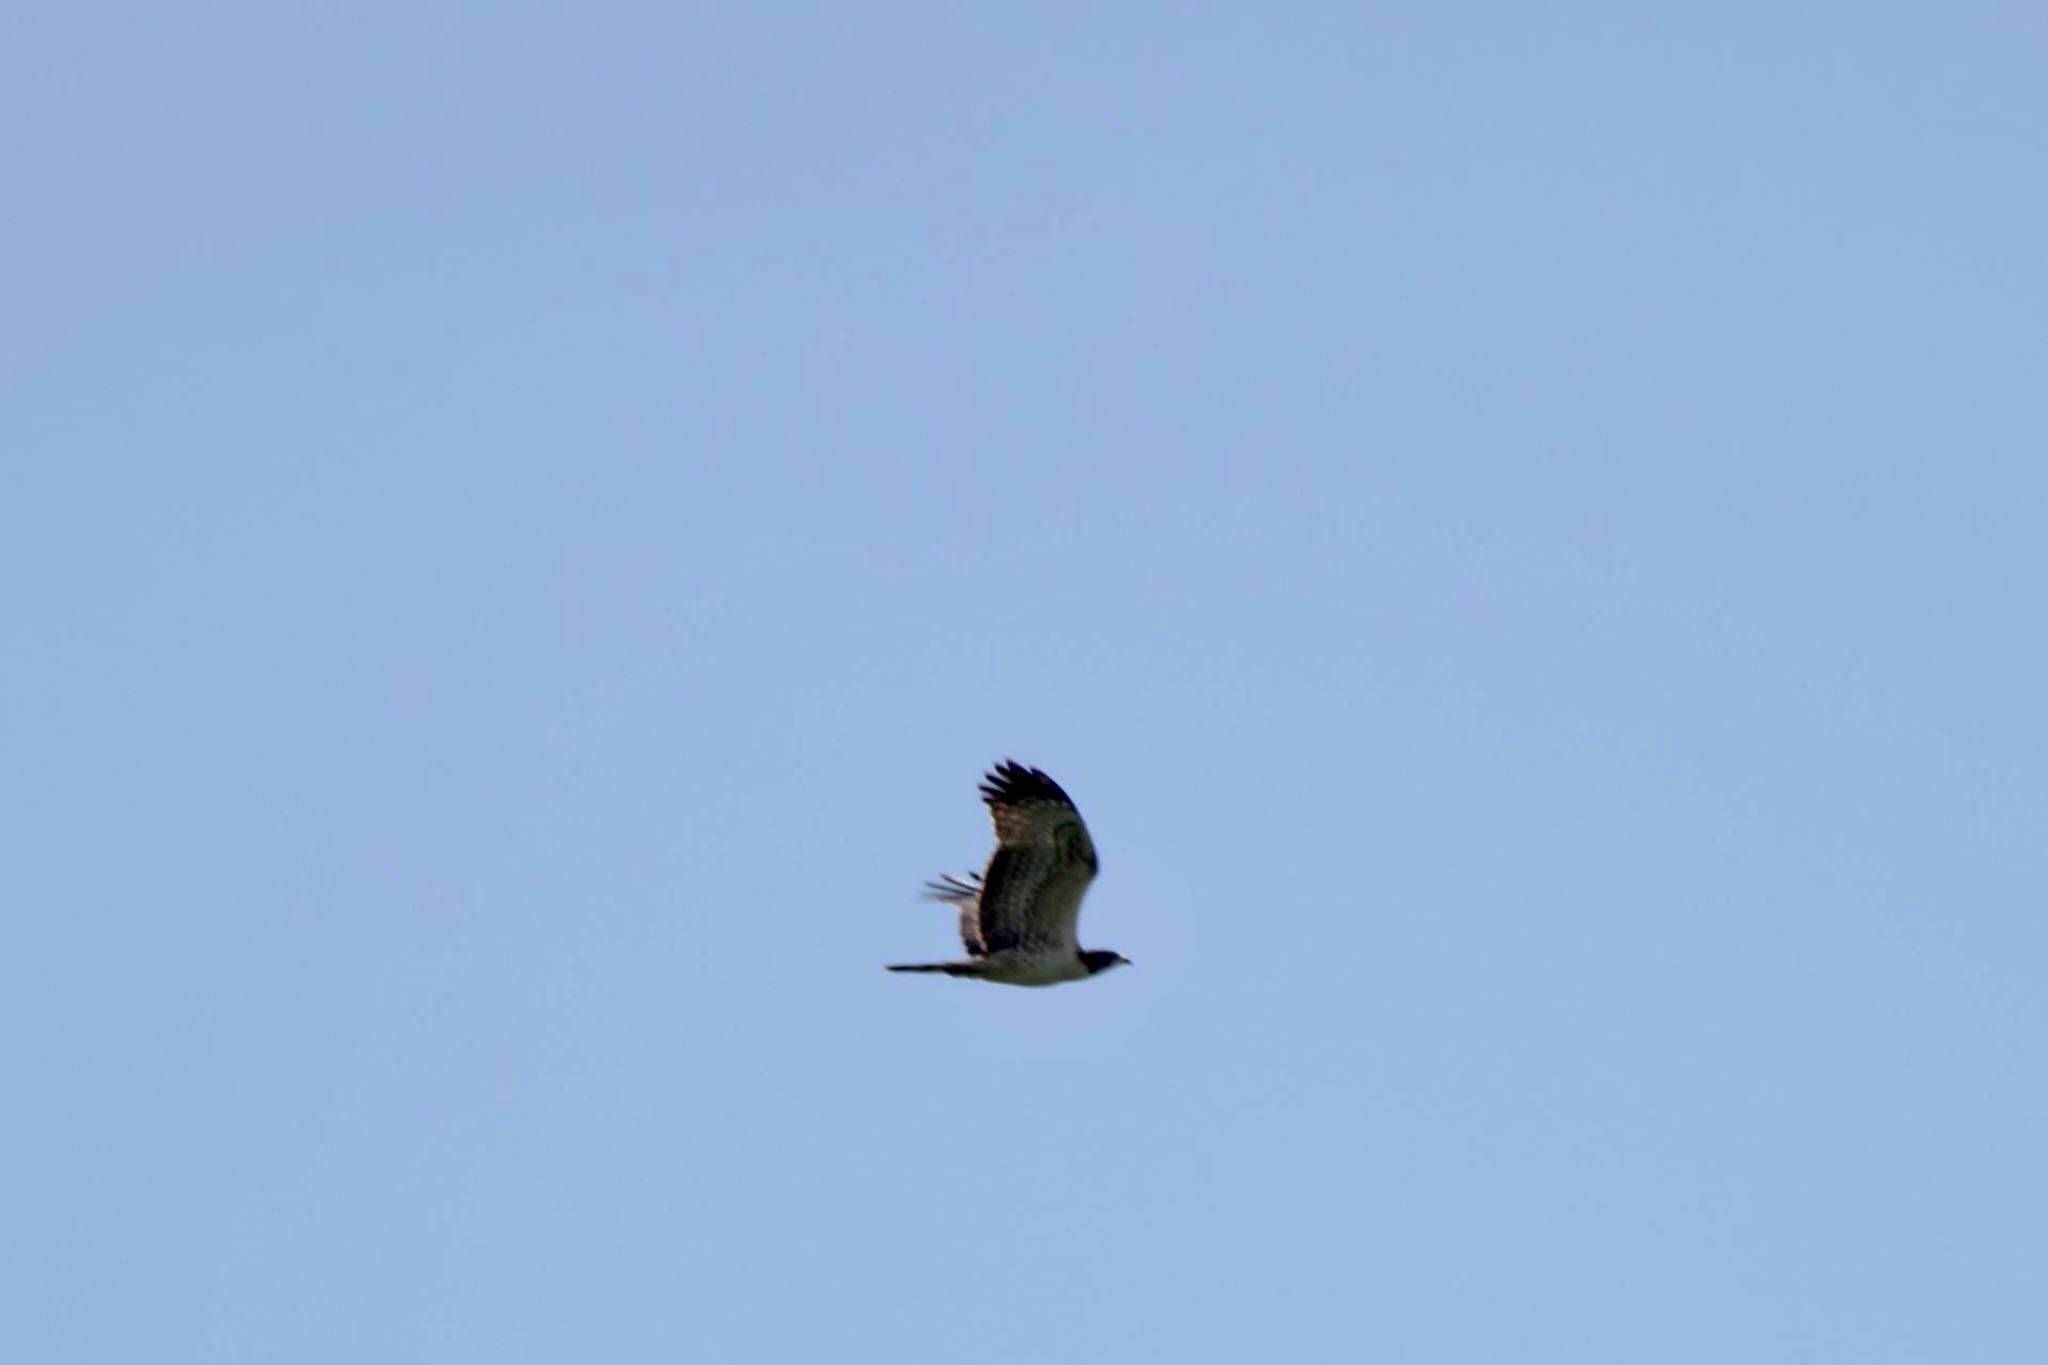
x: 1031, y: 893
x: 964, y: 895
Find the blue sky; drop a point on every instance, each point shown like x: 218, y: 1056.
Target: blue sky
x: 1521, y: 527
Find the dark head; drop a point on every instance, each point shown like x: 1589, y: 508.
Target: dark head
x: 1100, y: 960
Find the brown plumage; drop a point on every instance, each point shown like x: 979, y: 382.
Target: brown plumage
x: 1018, y: 917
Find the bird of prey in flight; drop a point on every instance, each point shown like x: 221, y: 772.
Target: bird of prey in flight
x: 1017, y: 918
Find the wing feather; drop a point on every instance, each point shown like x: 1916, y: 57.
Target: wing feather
x: 964, y: 895
x: 1041, y: 867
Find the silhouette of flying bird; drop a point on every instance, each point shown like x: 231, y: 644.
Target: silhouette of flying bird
x: 1017, y: 918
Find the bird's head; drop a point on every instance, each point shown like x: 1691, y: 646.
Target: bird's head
x: 1099, y: 960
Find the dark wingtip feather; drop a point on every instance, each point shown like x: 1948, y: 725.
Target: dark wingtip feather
x: 947, y: 887
x: 1010, y: 782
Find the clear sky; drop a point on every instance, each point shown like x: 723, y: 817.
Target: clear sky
x: 1521, y: 526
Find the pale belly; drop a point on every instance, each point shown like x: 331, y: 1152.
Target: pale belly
x: 1036, y: 969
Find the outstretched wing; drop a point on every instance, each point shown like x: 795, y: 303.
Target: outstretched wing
x: 1031, y: 892
x: 964, y: 895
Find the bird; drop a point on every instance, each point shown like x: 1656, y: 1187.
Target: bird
x: 1017, y: 917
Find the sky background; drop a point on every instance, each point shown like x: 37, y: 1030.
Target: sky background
x: 1521, y: 527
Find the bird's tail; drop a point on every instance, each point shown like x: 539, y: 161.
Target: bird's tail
x: 949, y: 968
